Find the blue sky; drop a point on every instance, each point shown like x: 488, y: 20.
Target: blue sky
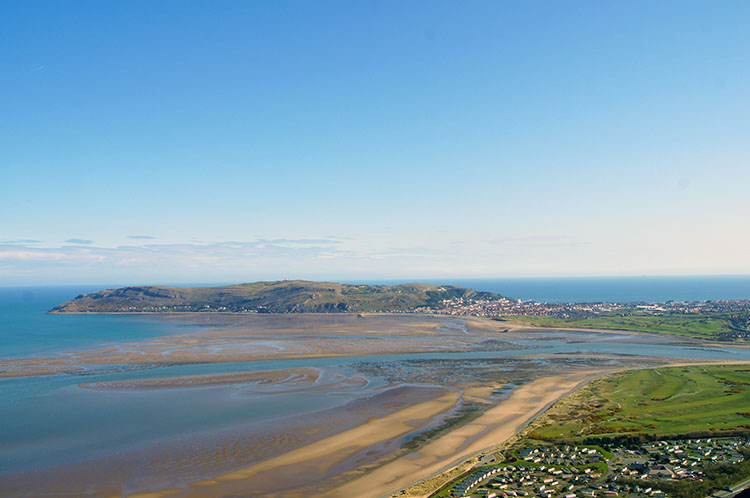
x: 234, y: 141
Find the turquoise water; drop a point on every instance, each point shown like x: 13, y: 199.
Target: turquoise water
x: 26, y: 329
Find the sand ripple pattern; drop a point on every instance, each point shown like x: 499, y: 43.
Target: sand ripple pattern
x: 292, y: 377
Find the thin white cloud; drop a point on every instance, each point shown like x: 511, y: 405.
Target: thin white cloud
x: 538, y: 242
x: 271, y: 259
x: 300, y: 242
x: 22, y: 241
x: 223, y: 254
x: 410, y: 251
x: 29, y: 255
x: 58, y: 255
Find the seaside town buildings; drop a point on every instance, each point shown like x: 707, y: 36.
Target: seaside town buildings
x: 573, y: 471
x: 505, y: 306
x: 736, y: 312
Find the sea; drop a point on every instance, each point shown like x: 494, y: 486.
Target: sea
x: 27, y: 330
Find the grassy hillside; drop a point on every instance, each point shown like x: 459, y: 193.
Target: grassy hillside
x: 292, y: 296
x: 674, y: 400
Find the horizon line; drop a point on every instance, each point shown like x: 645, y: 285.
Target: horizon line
x: 383, y: 279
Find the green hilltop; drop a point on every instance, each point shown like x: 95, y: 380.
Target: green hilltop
x: 288, y: 296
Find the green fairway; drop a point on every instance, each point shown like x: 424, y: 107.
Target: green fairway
x: 674, y: 400
x: 704, y: 326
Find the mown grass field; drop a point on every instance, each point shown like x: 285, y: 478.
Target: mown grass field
x: 673, y: 400
x: 704, y: 326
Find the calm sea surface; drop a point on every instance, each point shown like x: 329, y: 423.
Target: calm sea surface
x: 26, y: 329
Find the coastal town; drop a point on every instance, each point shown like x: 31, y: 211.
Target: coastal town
x: 735, y: 313
x: 506, y: 306
x: 657, y: 469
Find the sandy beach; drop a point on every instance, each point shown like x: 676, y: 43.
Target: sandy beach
x: 323, y: 456
x: 284, y: 337
x: 278, y: 337
x: 493, y: 427
x: 295, y: 377
x: 358, y: 460
x: 199, y: 457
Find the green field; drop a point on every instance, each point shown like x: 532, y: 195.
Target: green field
x: 664, y: 401
x: 703, y: 326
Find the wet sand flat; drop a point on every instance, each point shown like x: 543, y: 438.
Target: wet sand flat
x: 284, y: 337
x: 320, y: 458
x: 279, y: 337
x: 356, y: 449
x: 296, y: 377
x: 493, y: 427
x: 315, y: 469
x: 198, y: 458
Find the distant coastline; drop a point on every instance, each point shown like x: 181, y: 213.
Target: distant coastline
x: 721, y: 319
